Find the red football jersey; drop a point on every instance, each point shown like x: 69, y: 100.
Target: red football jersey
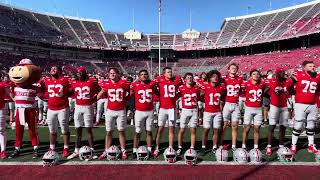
x: 117, y: 94
x: 213, y: 97
x: 168, y: 91
x: 254, y: 93
x: 85, y: 91
x: 10, y: 85
x: 233, y: 86
x: 306, y: 87
x: 57, y: 91
x: 143, y: 94
x: 189, y: 96
x: 2, y: 94
x: 282, y: 88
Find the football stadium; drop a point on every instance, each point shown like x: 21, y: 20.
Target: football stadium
x: 80, y: 100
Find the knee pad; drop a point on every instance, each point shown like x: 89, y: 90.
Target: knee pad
x: 296, y: 132
x: 298, y: 125
x: 310, y: 132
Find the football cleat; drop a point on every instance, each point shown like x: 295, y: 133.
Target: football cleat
x: 268, y: 151
x: 65, y: 152
x: 35, y: 153
x: 103, y: 155
x: 3, y: 155
x: 73, y: 155
x: 155, y: 153
x: 312, y: 149
x: 293, y: 149
x: 213, y: 151
x: 15, y: 153
x: 124, y: 155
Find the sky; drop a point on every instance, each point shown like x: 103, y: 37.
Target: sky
x: 117, y: 15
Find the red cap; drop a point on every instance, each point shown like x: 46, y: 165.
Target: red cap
x: 82, y: 69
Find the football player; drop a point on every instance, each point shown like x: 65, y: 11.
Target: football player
x: 117, y: 92
x: 214, y: 94
x: 85, y: 90
x: 231, y: 111
x: 58, y: 88
x: 254, y: 89
x: 168, y: 89
x: 278, y: 89
x: 9, y: 101
x: 200, y: 82
x: 101, y: 102
x: 190, y: 94
x: 305, y: 110
x: 142, y: 90
x: 4, y: 90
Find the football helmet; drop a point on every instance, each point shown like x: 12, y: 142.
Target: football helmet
x: 285, y: 154
x: 170, y: 155
x: 221, y: 155
x: 50, y: 158
x: 113, y: 153
x: 240, y: 155
x: 142, y: 153
x: 255, y: 156
x: 190, y: 157
x: 85, y: 153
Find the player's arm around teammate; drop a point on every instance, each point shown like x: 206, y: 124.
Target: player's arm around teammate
x: 117, y: 92
x: 143, y: 90
x: 231, y: 110
x: 168, y: 88
x: 85, y: 90
x: 214, y: 93
x: 254, y: 88
x: 190, y: 94
x: 58, y: 88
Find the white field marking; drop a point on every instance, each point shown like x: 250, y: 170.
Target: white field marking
x: 71, y: 135
x: 213, y: 163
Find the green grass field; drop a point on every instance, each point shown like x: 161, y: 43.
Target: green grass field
x: 99, y: 132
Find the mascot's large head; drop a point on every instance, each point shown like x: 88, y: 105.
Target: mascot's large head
x: 25, y: 73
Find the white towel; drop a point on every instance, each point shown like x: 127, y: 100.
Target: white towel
x: 22, y: 117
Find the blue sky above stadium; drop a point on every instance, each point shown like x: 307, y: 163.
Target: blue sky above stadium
x: 116, y: 15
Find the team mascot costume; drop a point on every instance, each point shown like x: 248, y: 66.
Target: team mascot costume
x: 24, y: 75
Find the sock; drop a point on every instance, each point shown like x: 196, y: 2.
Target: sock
x: 149, y: 149
x: 203, y: 146
x: 214, y: 147
x: 180, y: 147
x: 269, y: 145
x: 106, y: 149
x: 311, y: 140
x: 233, y: 146
x: 157, y: 148
x: 40, y: 117
x: 35, y: 147
x: 281, y: 145
x: 243, y: 146
x: 191, y: 147
x: 3, y: 141
x: 295, y: 139
x: 76, y: 150
x: 17, y: 148
x: 255, y: 146
x: 52, y: 146
x: 134, y: 150
x: 170, y: 146
x: 123, y: 150
x: 65, y: 146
